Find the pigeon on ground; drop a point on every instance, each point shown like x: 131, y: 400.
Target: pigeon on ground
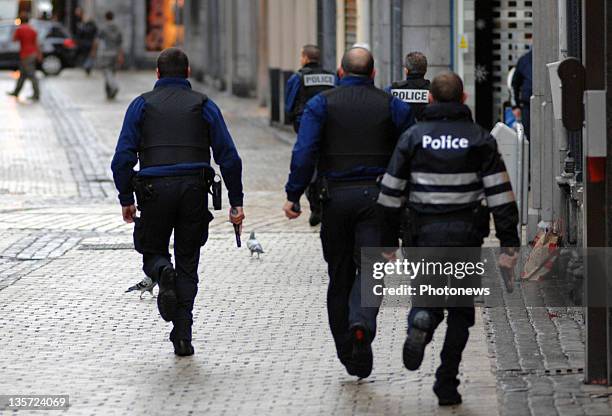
x: 254, y: 246
x: 147, y: 285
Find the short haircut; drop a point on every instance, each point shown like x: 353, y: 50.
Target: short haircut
x: 173, y: 63
x: 312, y: 52
x: 447, y: 87
x: 109, y: 15
x: 24, y: 18
x: 358, y: 61
x: 416, y: 63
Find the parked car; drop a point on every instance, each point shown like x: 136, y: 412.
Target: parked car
x: 58, y: 48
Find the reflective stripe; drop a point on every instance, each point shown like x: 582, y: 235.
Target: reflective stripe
x: 394, y: 183
x: 496, y: 180
x: 500, y: 199
x: 446, y: 198
x: 444, y: 179
x: 389, y: 201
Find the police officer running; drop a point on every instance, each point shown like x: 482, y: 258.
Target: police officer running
x: 309, y: 81
x: 447, y: 167
x: 170, y: 131
x: 349, y: 134
x: 415, y: 88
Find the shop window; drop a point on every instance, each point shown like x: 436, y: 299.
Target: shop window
x: 165, y: 26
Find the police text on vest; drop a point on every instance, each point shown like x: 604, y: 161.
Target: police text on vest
x: 412, y: 96
x: 445, y: 143
x: 319, y: 80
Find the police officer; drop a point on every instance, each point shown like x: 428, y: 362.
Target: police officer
x: 415, y: 88
x: 447, y: 167
x: 349, y: 134
x: 309, y: 81
x: 170, y: 131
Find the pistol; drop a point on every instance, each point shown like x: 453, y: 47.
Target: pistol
x: 237, y: 229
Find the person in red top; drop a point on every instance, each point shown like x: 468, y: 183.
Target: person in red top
x: 29, y: 56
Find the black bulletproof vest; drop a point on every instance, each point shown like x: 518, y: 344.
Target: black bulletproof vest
x: 314, y: 81
x: 359, y: 131
x: 173, y: 130
x: 412, y: 91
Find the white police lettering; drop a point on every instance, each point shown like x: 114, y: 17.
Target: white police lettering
x: 412, y: 96
x: 319, y: 80
x: 445, y: 143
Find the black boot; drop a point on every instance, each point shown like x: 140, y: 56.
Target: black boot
x: 183, y: 348
x: 166, y: 298
x: 447, y: 393
x: 418, y: 337
x: 362, y: 359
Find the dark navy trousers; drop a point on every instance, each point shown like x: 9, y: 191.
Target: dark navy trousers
x: 179, y: 205
x: 350, y: 221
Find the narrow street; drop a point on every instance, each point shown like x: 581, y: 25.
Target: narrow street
x: 67, y: 327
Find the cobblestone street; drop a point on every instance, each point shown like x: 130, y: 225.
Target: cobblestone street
x: 261, y: 336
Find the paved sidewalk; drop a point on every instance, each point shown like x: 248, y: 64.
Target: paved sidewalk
x: 262, y: 342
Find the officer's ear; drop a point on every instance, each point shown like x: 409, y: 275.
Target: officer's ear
x: 341, y: 73
x: 189, y: 72
x: 406, y: 71
x: 157, y: 72
x: 373, y: 76
x: 465, y: 98
x: 430, y: 98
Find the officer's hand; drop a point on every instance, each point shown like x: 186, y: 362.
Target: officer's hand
x: 518, y: 114
x: 129, y: 213
x: 508, y: 261
x: 289, y: 212
x: 236, y: 215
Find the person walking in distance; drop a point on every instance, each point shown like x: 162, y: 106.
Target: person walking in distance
x: 108, y: 51
x: 29, y: 56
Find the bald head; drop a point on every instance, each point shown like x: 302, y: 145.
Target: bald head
x: 447, y: 87
x: 358, y: 61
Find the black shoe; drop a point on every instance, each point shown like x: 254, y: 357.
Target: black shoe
x: 183, y: 348
x: 315, y: 219
x: 34, y: 98
x: 416, y: 341
x: 166, y: 298
x: 111, y: 94
x: 12, y: 94
x: 362, y: 360
x: 447, y: 394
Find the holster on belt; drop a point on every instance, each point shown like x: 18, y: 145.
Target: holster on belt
x: 144, y: 190
x: 213, y: 184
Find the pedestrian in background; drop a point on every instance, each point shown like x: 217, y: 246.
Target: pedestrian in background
x: 85, y: 34
x: 413, y: 90
x: 108, y: 51
x: 522, y: 87
x: 309, y: 81
x: 29, y: 57
x: 445, y: 186
x: 171, y: 131
x: 349, y: 133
